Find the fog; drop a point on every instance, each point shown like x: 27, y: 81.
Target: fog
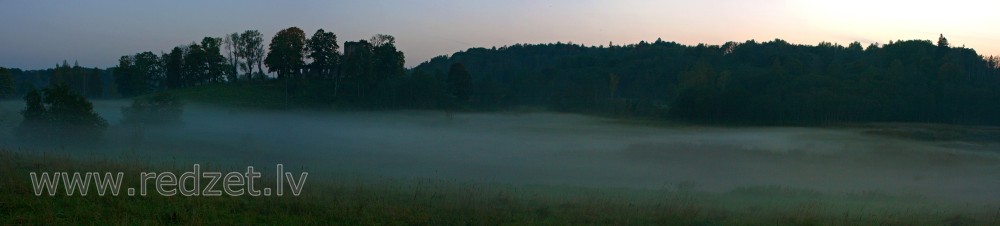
x: 548, y: 149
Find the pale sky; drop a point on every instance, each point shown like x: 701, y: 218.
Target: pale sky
x: 38, y: 34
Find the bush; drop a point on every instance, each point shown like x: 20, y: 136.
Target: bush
x: 158, y: 109
x: 57, y: 115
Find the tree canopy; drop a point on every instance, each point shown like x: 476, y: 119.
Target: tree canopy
x: 324, y: 52
x: 287, y: 52
x: 57, y: 114
x: 772, y: 82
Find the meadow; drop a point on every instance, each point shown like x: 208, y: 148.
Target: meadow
x: 517, y: 168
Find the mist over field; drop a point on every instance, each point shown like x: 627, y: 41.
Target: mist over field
x: 554, y: 149
x: 499, y: 113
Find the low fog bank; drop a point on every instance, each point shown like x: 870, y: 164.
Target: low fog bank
x: 549, y: 148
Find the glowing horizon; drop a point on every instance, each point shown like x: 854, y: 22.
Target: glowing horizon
x: 41, y: 34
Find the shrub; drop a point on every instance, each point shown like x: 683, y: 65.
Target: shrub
x: 57, y: 115
x: 158, y: 109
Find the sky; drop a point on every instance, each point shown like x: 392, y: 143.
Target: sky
x: 95, y: 33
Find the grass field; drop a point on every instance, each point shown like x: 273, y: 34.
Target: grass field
x: 386, y: 201
x: 423, y: 168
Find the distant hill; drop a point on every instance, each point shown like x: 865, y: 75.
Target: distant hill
x: 750, y: 82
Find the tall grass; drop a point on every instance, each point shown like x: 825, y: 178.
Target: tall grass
x: 347, y: 200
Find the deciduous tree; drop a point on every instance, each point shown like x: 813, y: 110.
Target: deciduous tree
x: 286, y: 52
x: 323, y: 50
x: 251, y: 49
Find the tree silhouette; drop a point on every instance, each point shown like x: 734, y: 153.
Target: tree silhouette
x: 232, y: 43
x: 138, y: 74
x: 173, y: 64
x: 323, y: 50
x: 214, y: 62
x: 251, y: 49
x: 943, y: 42
x: 388, y: 61
x: 287, y: 50
x: 57, y: 115
x: 195, y: 69
x: 357, y: 64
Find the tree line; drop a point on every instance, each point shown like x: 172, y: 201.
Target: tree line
x: 309, y: 70
x: 90, y: 82
x: 302, y: 65
x: 750, y: 82
x: 773, y: 82
x: 7, y: 89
